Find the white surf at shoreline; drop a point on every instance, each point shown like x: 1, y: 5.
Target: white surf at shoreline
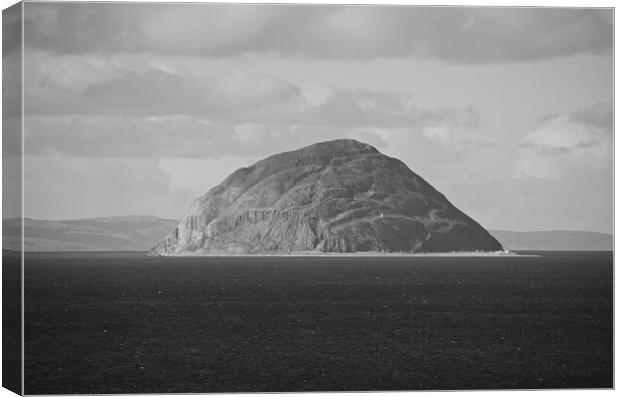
x: 360, y: 254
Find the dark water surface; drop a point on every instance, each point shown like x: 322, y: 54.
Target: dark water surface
x: 123, y: 322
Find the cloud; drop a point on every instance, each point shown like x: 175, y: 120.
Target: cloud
x: 386, y: 109
x: 119, y: 136
x: 600, y: 116
x: 156, y: 92
x: 561, y: 135
x: 61, y: 187
x: 251, y: 131
x: 96, y: 85
x: 561, y: 145
x: 117, y: 107
x: 170, y: 136
x: 521, y: 34
x: 232, y: 97
x: 453, y: 34
x: 478, y: 143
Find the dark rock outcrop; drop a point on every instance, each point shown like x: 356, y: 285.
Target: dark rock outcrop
x: 337, y: 196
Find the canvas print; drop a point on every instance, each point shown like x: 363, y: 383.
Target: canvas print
x: 209, y: 198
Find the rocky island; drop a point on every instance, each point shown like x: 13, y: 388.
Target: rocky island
x: 331, y: 197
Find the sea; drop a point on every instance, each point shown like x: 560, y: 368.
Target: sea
x: 124, y: 322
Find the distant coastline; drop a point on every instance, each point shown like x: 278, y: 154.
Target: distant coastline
x: 139, y: 233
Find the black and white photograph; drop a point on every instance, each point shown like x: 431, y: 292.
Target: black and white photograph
x: 241, y: 198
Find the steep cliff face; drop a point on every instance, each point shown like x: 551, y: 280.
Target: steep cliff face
x: 337, y: 196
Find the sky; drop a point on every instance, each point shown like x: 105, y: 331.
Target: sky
x: 141, y: 108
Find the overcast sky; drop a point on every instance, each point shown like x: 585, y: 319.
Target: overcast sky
x: 139, y: 109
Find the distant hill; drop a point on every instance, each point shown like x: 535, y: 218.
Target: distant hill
x: 552, y: 240
x: 120, y: 233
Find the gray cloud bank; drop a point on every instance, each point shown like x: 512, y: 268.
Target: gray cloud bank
x: 454, y: 34
x: 582, y: 128
x: 579, y: 143
x: 234, y: 96
x: 154, y: 113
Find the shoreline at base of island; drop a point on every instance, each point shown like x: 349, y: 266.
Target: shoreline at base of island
x: 318, y: 254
